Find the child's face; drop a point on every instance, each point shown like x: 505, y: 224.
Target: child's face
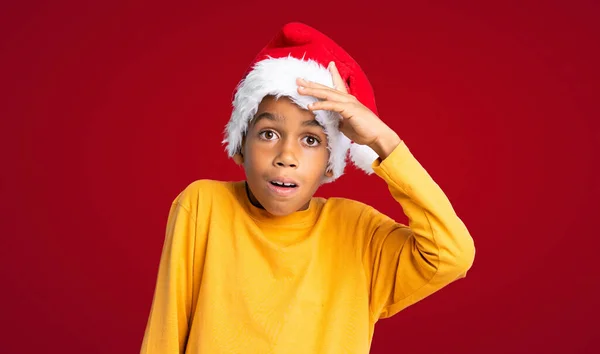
x: 284, y: 144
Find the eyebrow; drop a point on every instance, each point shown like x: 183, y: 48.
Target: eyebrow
x: 266, y: 115
x: 279, y: 118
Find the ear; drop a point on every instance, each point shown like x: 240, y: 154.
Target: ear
x: 329, y: 173
x: 238, y: 159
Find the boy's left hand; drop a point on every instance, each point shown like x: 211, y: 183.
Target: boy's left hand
x: 358, y: 122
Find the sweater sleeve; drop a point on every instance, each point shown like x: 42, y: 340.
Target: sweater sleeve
x: 405, y: 264
x: 167, y: 327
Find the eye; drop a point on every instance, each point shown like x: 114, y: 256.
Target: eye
x: 311, y: 141
x: 268, y: 135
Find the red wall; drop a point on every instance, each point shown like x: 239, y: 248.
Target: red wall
x: 109, y: 110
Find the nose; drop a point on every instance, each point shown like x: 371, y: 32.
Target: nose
x: 286, y: 156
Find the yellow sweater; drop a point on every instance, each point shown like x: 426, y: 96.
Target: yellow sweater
x: 233, y: 279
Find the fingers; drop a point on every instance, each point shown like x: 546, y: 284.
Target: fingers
x: 323, y: 93
x: 334, y: 99
x: 343, y: 108
x: 301, y: 82
x: 338, y: 82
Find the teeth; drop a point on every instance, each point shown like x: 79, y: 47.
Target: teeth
x: 283, y: 184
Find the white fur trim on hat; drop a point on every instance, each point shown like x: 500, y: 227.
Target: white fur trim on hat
x: 277, y: 77
x: 363, y: 157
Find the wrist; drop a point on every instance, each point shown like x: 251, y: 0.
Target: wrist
x: 385, y: 144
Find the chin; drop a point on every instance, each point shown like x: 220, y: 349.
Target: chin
x: 278, y: 205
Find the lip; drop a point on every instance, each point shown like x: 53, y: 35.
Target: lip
x: 283, y: 191
x: 283, y: 180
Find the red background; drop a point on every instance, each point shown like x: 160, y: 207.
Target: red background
x: 108, y: 110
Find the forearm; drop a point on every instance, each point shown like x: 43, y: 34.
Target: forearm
x: 434, y: 250
x: 439, y: 234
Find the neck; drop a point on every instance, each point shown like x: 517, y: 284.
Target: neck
x: 251, y: 197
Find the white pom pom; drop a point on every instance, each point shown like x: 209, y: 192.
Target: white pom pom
x: 363, y: 157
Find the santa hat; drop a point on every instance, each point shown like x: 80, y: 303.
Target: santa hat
x: 301, y: 51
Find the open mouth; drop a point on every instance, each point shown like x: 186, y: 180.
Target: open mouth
x: 283, y: 184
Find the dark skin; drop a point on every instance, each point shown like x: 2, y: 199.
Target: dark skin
x: 283, y: 141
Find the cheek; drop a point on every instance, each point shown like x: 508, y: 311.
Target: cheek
x: 256, y: 157
x: 317, y: 161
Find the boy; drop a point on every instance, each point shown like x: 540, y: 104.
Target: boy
x: 262, y: 266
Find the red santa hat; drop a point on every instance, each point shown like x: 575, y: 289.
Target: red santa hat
x: 301, y: 51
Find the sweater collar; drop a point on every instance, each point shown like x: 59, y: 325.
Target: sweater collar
x: 294, y: 220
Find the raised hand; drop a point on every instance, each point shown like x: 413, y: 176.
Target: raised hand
x: 358, y: 122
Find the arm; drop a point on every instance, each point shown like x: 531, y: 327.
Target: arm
x: 167, y: 328
x: 405, y: 264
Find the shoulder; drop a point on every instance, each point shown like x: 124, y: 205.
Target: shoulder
x: 207, y: 185
x: 204, y: 191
